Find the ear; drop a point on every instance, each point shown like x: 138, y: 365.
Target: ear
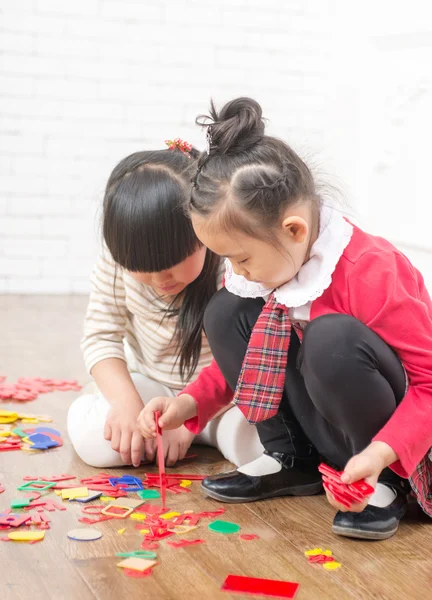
x: 296, y: 228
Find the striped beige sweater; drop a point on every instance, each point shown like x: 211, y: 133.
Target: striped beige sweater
x: 122, y: 309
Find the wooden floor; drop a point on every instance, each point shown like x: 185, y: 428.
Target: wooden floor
x: 40, y: 337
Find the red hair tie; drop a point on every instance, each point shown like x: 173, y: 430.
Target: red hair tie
x: 179, y: 144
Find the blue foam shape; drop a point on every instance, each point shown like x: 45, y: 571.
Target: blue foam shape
x: 133, y: 483
x: 84, y: 500
x: 39, y: 438
x: 48, y: 430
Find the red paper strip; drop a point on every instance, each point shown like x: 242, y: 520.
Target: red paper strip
x: 161, y: 462
x: 264, y: 587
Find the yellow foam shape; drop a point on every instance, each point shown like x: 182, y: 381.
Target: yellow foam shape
x: 185, y: 483
x: 34, y: 421
x: 314, y: 552
x: 78, y: 492
x: 170, y: 515
x: 26, y: 536
x: 58, y: 492
x: 8, y: 413
x: 121, y: 531
x: 332, y: 566
x: 144, y: 531
x: 6, y: 434
x: 5, y: 420
x: 107, y: 499
x: 137, y: 564
x: 327, y: 553
x: 137, y: 517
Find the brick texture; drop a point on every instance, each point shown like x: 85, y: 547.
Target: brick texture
x: 84, y: 83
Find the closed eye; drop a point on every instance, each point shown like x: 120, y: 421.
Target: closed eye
x: 240, y: 262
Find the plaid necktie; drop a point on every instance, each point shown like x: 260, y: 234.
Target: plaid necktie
x: 261, y: 382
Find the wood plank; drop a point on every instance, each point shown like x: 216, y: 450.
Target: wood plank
x: 40, y: 337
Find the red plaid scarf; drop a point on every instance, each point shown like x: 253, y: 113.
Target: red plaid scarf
x: 261, y: 382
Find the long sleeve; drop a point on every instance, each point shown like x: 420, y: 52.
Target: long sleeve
x: 211, y: 393
x: 389, y: 296
x: 106, y: 316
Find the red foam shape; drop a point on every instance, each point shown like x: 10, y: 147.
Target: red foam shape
x: 183, y: 543
x: 149, y: 545
x: 189, y: 519
x: 320, y: 559
x: 249, y: 537
x: 264, y: 587
x: 95, y: 509
x: 88, y: 521
x: 345, y: 494
x: 151, y: 509
x: 212, y: 513
x: 14, y: 520
x: 137, y: 574
x: 9, y: 447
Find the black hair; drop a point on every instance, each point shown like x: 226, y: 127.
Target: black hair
x: 247, y: 179
x: 146, y: 230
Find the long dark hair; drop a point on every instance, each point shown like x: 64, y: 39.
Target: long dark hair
x: 146, y: 230
x: 247, y: 179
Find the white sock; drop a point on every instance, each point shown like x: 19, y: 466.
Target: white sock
x: 383, y: 496
x: 264, y: 465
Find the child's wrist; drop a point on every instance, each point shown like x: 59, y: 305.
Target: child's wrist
x: 190, y: 408
x: 385, y: 453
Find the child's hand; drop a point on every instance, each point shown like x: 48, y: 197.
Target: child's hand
x: 121, y: 428
x: 174, y: 412
x: 367, y: 465
x: 176, y: 443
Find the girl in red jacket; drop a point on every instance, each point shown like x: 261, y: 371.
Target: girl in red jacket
x: 323, y: 331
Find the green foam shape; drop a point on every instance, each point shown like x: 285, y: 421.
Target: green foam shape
x: 224, y: 527
x: 20, y: 432
x: 43, y: 485
x: 20, y: 503
x: 138, y: 554
x: 148, y: 494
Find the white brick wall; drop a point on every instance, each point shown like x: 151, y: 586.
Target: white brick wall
x: 84, y: 83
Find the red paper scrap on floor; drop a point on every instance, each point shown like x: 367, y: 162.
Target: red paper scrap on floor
x: 161, y: 463
x: 28, y: 388
x: 263, y: 587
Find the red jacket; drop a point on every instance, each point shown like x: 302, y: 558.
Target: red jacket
x: 376, y: 284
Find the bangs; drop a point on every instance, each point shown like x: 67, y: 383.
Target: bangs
x: 145, y: 226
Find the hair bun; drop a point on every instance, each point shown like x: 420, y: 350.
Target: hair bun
x: 236, y: 127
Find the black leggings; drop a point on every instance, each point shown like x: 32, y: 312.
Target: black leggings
x: 342, y: 383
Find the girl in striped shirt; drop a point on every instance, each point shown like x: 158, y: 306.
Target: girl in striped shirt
x: 143, y: 333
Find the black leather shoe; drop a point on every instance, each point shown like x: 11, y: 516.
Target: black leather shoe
x: 373, y: 523
x: 298, y: 477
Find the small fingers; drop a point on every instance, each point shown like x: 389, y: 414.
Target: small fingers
x: 137, y: 448
x: 125, y: 447
x: 107, y: 431
x: 115, y: 439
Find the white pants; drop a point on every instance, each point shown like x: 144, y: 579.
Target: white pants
x: 234, y: 437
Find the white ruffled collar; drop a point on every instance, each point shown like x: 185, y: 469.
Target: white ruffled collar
x: 314, y: 277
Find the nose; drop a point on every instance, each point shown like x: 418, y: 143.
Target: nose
x: 162, y: 278
x: 239, y: 270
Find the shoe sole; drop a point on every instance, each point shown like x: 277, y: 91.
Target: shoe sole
x: 363, y: 535
x: 302, y: 490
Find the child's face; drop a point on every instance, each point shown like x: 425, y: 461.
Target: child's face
x: 257, y: 260
x: 173, y: 281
